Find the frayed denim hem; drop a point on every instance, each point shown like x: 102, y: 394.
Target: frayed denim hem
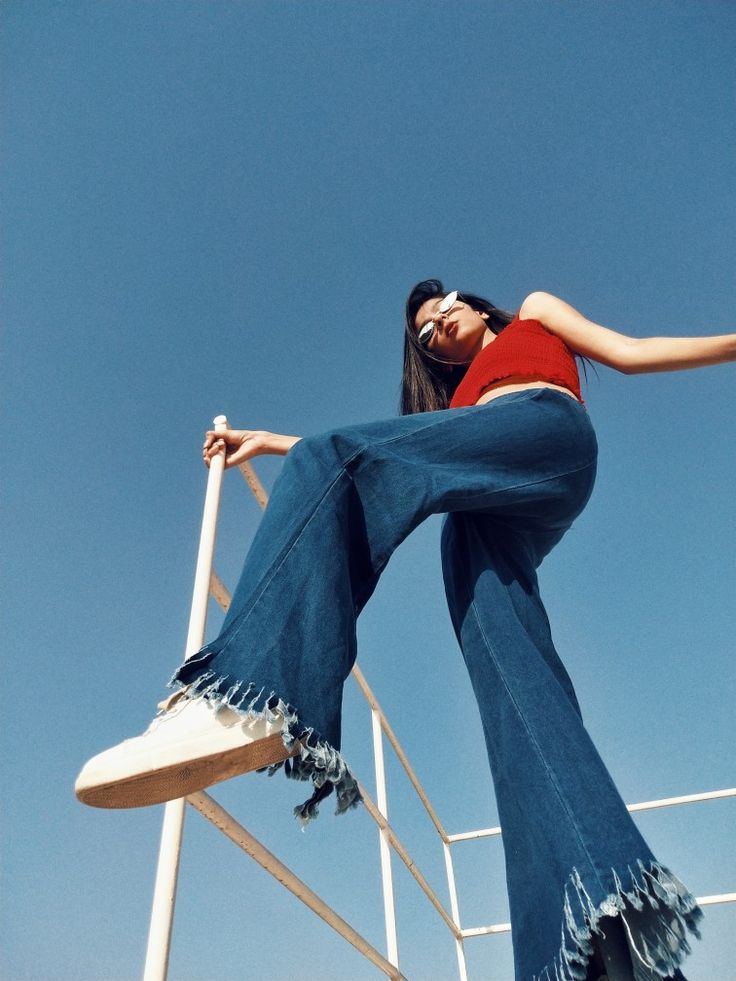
x: 656, y: 936
x: 317, y: 760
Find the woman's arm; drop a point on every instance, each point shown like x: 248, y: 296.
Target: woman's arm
x: 243, y: 444
x: 630, y: 355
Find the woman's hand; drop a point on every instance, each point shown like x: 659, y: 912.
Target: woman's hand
x: 240, y: 445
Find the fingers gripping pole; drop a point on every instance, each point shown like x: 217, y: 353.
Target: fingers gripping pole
x: 164, y: 896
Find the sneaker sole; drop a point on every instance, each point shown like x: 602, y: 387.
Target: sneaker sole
x: 181, y: 779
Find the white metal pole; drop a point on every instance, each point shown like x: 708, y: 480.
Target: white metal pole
x: 459, y: 949
x: 406, y: 858
x: 205, y: 556
x: 164, y: 896
x: 389, y: 913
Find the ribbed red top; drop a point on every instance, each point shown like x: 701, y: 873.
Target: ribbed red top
x: 526, y: 348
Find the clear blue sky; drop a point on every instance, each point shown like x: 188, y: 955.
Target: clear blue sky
x: 219, y: 207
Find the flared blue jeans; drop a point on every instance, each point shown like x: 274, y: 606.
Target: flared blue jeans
x: 510, y: 476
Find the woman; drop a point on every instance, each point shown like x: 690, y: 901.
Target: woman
x: 493, y: 434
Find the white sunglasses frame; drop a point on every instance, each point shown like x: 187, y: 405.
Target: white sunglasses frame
x: 427, y: 332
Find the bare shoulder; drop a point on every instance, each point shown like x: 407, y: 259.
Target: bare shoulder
x: 536, y: 305
x: 581, y: 334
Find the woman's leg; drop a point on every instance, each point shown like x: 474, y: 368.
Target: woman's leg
x: 573, y: 854
x: 342, y: 503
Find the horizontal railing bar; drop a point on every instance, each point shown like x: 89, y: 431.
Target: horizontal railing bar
x: 469, y: 835
x: 485, y: 931
x: 726, y: 897
x: 373, y: 702
x: 211, y: 810
x: 685, y: 799
x: 251, y: 479
x: 407, y: 860
x: 643, y: 806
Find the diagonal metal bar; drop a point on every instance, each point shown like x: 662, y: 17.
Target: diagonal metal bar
x: 224, y: 822
x: 251, y: 479
x: 219, y: 591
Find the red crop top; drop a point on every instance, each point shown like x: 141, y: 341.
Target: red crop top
x: 526, y: 348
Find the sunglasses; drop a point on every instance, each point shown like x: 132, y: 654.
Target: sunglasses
x: 427, y: 332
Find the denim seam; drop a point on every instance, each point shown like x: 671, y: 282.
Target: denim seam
x: 523, y: 627
x: 535, y: 743
x: 531, y: 483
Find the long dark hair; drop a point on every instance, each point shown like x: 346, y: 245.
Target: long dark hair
x: 429, y: 382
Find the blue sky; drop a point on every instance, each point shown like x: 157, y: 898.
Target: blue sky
x: 220, y: 207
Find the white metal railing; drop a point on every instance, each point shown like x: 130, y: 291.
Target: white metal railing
x: 207, y: 583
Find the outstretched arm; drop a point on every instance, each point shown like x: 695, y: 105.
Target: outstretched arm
x: 243, y: 444
x: 631, y: 355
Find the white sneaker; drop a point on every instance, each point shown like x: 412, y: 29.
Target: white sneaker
x: 193, y: 745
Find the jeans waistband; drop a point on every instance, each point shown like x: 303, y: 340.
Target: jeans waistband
x: 528, y: 393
